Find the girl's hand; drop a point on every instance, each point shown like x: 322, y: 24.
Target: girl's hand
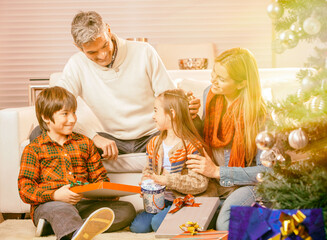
x: 203, y: 165
x: 160, y: 179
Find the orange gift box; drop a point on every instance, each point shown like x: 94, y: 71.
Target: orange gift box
x: 210, y: 234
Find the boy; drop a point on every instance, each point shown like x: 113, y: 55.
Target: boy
x: 58, y: 158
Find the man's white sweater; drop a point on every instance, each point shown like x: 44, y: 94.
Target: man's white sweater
x: 121, y: 97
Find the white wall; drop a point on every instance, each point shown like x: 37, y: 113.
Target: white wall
x: 35, y: 34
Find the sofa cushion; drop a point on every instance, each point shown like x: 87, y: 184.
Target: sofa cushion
x: 126, y: 163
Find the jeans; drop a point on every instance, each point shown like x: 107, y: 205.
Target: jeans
x: 243, y: 196
x: 66, y: 218
x: 147, y: 222
x: 129, y: 146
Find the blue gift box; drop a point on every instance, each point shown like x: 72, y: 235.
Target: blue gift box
x: 256, y: 222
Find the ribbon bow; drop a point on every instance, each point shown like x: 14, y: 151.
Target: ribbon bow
x: 187, y: 201
x: 292, y: 224
x: 78, y: 183
x: 191, y: 227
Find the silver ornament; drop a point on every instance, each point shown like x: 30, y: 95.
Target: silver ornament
x: 298, y: 139
x: 265, y: 140
x: 317, y: 104
x: 311, y: 25
x: 259, y: 177
x: 268, y: 158
x: 275, y: 10
x: 314, y: 104
x: 277, y: 46
x: 307, y: 84
x: 288, y: 39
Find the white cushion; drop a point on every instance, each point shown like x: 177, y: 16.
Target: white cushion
x: 126, y: 163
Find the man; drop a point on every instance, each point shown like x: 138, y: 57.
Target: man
x: 118, y: 80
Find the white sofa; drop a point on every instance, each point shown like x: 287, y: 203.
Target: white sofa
x: 17, y: 123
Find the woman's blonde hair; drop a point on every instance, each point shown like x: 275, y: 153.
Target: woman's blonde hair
x: 242, y: 66
x: 181, y: 122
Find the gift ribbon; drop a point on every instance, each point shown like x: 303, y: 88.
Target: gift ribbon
x: 78, y: 183
x: 191, y: 227
x: 292, y: 224
x: 187, y: 201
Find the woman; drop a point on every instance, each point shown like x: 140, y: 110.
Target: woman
x: 233, y: 114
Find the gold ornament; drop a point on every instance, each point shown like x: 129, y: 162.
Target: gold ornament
x: 298, y: 139
x: 275, y: 10
x: 265, y: 140
x: 289, y: 39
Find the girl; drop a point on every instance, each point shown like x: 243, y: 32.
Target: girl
x: 167, y: 155
x: 234, y: 112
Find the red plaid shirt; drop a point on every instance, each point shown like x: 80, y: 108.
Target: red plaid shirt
x: 46, y: 166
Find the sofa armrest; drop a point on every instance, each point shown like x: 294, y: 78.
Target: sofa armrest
x: 15, y: 126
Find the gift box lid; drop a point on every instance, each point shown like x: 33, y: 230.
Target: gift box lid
x: 202, y: 215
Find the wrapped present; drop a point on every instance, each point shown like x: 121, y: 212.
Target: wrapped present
x: 172, y: 224
x: 209, y: 234
x: 257, y: 222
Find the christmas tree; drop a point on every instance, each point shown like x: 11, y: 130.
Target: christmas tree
x: 295, y: 142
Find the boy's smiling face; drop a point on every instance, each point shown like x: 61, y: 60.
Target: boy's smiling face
x: 62, y: 124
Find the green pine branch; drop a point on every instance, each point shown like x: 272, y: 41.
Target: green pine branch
x: 302, y: 185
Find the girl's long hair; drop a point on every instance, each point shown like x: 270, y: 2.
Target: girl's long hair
x: 241, y: 65
x: 181, y: 123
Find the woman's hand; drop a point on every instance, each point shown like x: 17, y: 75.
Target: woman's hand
x: 194, y: 104
x: 203, y: 165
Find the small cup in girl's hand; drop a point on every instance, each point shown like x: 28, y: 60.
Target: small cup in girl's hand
x: 153, y: 196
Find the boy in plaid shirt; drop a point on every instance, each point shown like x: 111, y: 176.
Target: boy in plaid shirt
x: 58, y: 158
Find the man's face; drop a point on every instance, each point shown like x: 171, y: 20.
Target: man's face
x: 100, y: 50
